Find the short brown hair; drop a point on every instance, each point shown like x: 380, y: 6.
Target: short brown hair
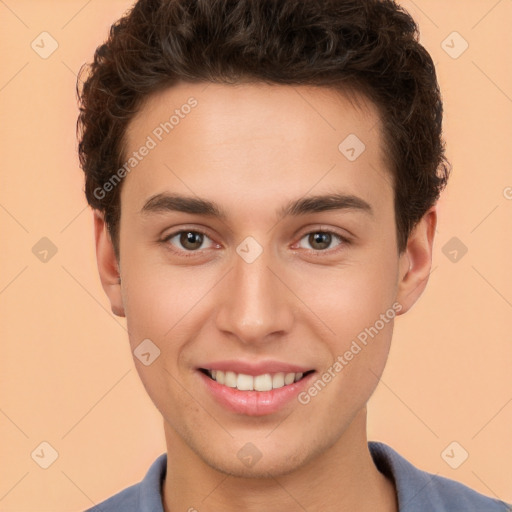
x: 370, y: 46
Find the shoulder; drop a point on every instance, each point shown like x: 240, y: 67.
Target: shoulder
x: 141, y: 497
x: 126, y: 500
x: 420, y: 490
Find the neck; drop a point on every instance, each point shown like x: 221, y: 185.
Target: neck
x: 342, y: 478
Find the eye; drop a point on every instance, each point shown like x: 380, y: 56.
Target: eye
x: 322, y: 240
x: 188, y: 240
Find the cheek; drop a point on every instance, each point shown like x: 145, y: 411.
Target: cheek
x: 351, y: 375
x: 161, y: 301
x: 148, y: 305
x: 159, y: 306
x: 350, y: 298
x: 357, y: 304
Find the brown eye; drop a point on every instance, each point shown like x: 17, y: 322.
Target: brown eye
x: 191, y: 240
x: 187, y: 240
x: 320, y: 241
x: 324, y: 242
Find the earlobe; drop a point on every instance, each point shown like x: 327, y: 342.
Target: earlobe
x: 416, y: 261
x: 108, y: 266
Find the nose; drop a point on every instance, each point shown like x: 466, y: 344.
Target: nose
x: 255, y: 305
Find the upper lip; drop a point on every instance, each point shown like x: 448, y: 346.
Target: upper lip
x: 251, y: 368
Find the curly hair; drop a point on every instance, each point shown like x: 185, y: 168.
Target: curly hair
x: 368, y: 46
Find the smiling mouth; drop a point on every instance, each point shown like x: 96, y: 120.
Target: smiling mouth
x: 264, y: 382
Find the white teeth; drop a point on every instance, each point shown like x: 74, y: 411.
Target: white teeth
x: 264, y: 382
x: 245, y: 382
x: 278, y: 380
x: 289, y: 378
x: 230, y: 379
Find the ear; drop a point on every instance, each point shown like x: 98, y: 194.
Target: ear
x: 416, y: 261
x: 108, y: 266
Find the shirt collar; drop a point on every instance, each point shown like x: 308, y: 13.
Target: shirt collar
x: 409, y: 482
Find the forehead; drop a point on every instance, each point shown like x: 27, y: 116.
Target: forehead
x: 256, y: 107
x: 253, y: 136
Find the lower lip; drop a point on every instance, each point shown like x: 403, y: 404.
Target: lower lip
x: 254, y: 403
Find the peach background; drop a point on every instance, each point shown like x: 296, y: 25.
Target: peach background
x: 67, y: 376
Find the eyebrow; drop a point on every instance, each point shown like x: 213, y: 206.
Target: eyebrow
x: 162, y: 203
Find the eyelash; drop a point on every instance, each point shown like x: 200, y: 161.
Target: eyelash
x: 190, y: 254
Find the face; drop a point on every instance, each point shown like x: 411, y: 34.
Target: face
x: 256, y: 250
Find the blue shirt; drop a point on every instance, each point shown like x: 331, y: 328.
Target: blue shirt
x: 417, y: 490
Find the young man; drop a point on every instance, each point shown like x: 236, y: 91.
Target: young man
x: 264, y: 178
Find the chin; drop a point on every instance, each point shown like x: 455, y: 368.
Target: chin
x: 269, y: 461
x: 270, y: 468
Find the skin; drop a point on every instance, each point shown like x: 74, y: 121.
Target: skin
x: 251, y: 149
